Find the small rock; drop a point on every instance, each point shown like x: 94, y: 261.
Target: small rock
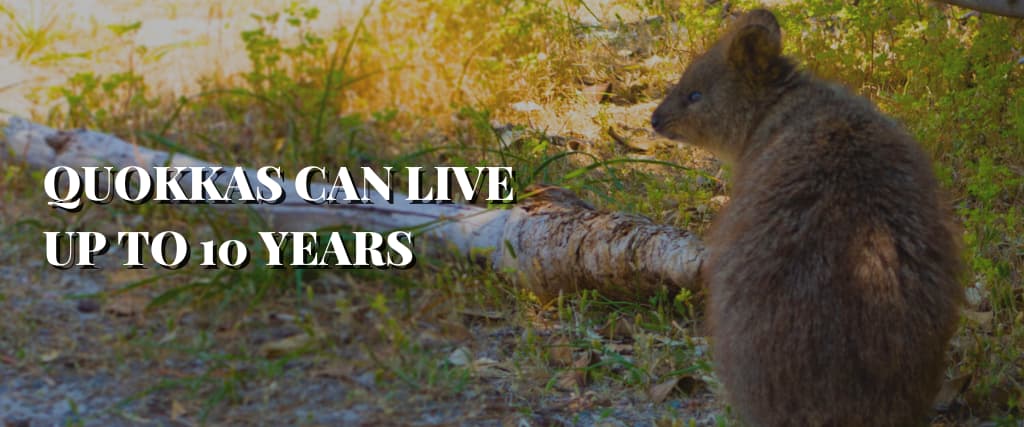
x: 974, y: 297
x: 459, y: 357
x: 367, y: 379
x: 976, y: 294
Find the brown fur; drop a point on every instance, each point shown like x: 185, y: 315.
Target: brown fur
x: 833, y: 270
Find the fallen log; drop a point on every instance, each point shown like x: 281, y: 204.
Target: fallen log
x: 1009, y: 8
x: 551, y: 242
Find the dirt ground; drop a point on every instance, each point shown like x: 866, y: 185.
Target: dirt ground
x: 86, y: 374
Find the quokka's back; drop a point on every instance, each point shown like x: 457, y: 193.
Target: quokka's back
x: 833, y: 273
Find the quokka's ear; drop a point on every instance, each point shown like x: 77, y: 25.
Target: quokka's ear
x: 762, y: 17
x: 756, y: 46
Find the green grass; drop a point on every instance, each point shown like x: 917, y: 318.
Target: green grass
x: 32, y: 33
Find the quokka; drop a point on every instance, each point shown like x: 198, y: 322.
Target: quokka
x: 833, y: 270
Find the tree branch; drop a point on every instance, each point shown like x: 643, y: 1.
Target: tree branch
x: 551, y: 243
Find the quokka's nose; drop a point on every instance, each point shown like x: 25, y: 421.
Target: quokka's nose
x: 655, y: 121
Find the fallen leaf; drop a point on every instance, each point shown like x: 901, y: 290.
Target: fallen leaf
x: 49, y: 356
x: 485, y: 362
x: 570, y: 380
x: 659, y: 392
x: 583, y: 402
x: 177, y: 410
x: 950, y: 391
x: 126, y: 276
x: 979, y: 318
x: 284, y: 346
x: 635, y: 144
x: 454, y: 331
x: 280, y: 318
x: 335, y: 369
x: 583, y: 361
x: 171, y: 373
x: 575, y: 377
x: 617, y: 328
x: 671, y: 342
x: 429, y: 303
x: 623, y: 349
x: 170, y: 336
x: 127, y: 305
x: 560, y: 351
x: 490, y: 369
x: 489, y: 315
x: 720, y: 200
x: 597, y: 92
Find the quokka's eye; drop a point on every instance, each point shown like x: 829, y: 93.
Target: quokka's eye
x: 694, y: 96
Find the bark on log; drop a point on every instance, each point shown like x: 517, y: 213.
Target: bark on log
x: 551, y: 243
